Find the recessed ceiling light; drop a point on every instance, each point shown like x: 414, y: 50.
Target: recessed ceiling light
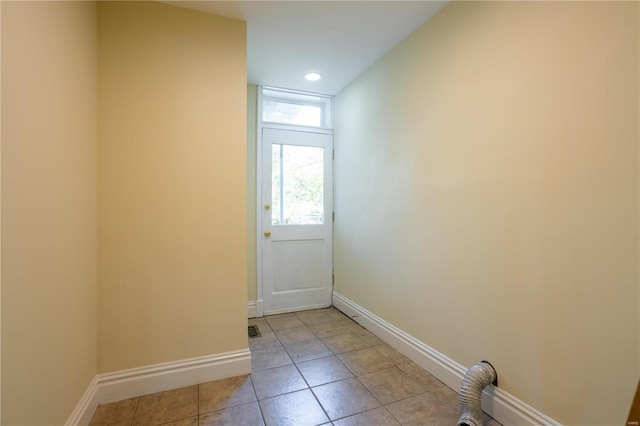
x: 312, y: 76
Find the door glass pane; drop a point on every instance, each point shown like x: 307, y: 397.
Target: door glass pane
x: 297, y: 185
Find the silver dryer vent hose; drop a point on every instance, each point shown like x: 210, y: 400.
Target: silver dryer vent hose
x: 477, y: 378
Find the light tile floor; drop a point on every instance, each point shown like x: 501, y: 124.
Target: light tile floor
x: 309, y: 368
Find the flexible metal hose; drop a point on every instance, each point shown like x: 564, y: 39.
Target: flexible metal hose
x: 477, y: 378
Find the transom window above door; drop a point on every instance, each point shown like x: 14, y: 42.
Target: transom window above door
x: 294, y: 108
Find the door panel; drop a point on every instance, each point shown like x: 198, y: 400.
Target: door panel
x: 297, y: 267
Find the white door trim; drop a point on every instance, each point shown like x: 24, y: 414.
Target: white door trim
x: 259, y: 311
x: 259, y: 308
x: 296, y: 258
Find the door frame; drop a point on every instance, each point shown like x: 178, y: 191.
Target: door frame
x: 260, y: 202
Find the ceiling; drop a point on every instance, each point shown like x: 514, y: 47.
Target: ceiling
x: 338, y: 39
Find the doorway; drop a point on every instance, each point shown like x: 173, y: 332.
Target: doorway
x: 296, y: 220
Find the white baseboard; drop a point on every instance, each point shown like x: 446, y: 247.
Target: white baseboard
x: 255, y: 308
x: 83, y: 412
x: 124, y: 384
x: 252, y: 310
x: 499, y: 404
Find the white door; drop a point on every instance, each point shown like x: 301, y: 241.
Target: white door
x: 297, y: 220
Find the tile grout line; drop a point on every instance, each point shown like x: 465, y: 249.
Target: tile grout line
x: 302, y: 376
x: 135, y: 411
x: 305, y: 380
x: 314, y: 394
x: 393, y: 402
x: 392, y: 415
x: 353, y: 376
x: 394, y: 365
x: 287, y: 352
x: 255, y: 394
x: 336, y: 355
x: 425, y: 390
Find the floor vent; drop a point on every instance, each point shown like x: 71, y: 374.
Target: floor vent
x: 253, y: 331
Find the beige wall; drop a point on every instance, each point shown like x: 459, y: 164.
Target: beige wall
x: 252, y: 144
x: 49, y: 307
x: 487, y: 197
x: 171, y: 183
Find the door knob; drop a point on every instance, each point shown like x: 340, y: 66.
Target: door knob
x: 267, y: 233
x: 267, y: 207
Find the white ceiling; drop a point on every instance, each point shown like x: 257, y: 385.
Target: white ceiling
x: 338, y: 39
